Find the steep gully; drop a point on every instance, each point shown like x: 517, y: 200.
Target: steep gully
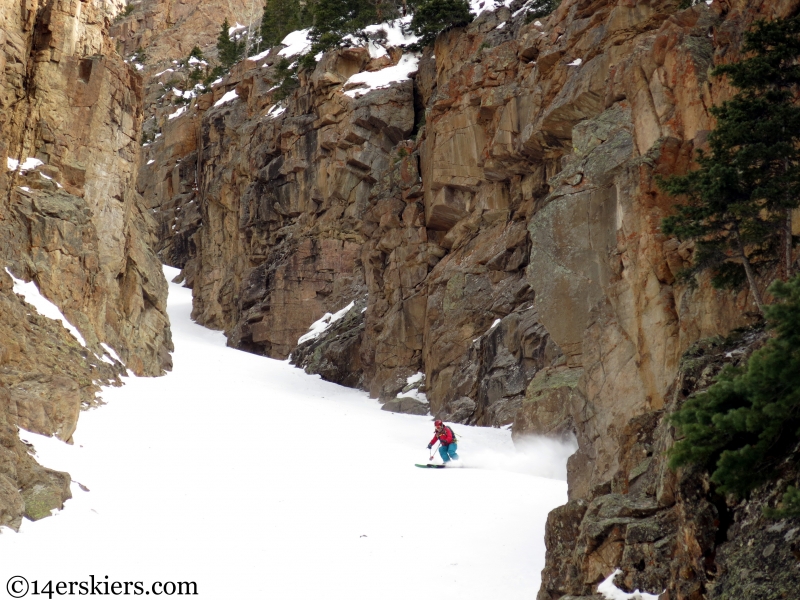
x: 495, y: 223
x: 497, y: 217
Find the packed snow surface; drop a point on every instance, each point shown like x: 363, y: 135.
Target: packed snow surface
x: 390, y: 33
x: 32, y: 295
x: 256, y: 480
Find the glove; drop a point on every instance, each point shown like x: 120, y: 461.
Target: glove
x: 430, y: 446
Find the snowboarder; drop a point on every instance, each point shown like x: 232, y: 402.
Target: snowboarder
x: 447, y: 439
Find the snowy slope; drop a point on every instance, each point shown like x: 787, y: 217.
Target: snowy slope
x: 255, y: 480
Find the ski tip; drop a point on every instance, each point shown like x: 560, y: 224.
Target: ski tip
x: 429, y: 466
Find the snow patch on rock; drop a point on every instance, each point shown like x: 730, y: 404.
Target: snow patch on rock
x: 228, y: 97
x: 367, y: 81
x: 30, y: 292
x: 296, y: 43
x: 612, y: 592
x: 321, y: 326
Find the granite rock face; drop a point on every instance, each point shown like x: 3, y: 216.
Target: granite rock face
x: 71, y: 222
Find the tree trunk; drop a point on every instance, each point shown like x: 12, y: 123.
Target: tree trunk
x: 787, y: 247
x: 748, y: 269
x: 787, y: 231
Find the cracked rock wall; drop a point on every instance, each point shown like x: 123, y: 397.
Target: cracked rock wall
x: 75, y: 226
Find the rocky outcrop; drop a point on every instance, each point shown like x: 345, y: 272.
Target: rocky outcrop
x: 301, y: 212
x: 73, y: 223
x: 671, y: 531
x: 336, y: 354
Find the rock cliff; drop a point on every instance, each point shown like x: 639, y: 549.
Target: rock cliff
x: 71, y: 221
x: 495, y: 221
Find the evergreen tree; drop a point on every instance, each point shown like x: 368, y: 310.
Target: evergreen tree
x: 431, y: 17
x: 540, y: 8
x: 749, y: 419
x: 281, y: 17
x: 230, y: 50
x: 739, y: 202
x: 386, y: 10
x: 335, y: 19
x: 285, y: 78
x: 790, y: 505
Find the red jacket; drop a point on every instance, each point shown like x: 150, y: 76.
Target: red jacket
x: 446, y: 437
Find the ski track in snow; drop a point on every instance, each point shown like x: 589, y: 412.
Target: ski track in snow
x: 256, y: 480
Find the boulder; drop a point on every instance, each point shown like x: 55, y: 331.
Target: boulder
x: 406, y: 405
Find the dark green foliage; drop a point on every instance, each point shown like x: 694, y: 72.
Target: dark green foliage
x: 431, y: 17
x: 790, y: 505
x: 215, y: 74
x: 332, y: 21
x: 197, y: 72
x: 540, y: 8
x: 196, y: 75
x: 139, y: 56
x: 336, y: 19
x: 343, y: 16
x: 230, y: 50
x: 125, y: 12
x: 386, y: 10
x: 281, y: 17
x: 738, y: 201
x: 749, y: 419
x: 285, y: 78
x: 307, y: 62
